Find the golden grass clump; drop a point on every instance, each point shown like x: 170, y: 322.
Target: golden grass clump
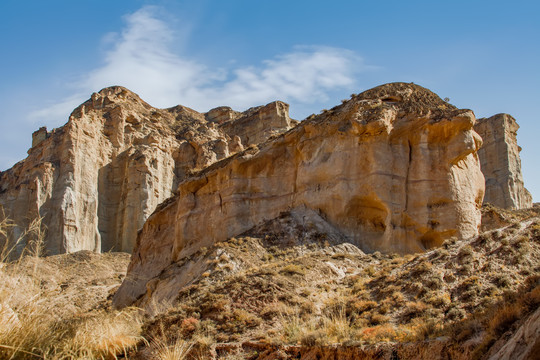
x: 36, y: 322
x: 178, y: 350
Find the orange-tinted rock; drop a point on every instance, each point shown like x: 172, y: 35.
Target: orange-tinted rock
x: 394, y: 169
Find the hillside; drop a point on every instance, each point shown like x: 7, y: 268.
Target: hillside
x: 287, y: 291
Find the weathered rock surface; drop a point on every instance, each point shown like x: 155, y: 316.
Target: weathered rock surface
x: 524, y: 344
x: 500, y: 163
x: 95, y: 180
x: 394, y: 169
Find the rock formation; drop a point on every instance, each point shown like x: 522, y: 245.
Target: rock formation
x: 500, y: 163
x: 522, y: 345
x: 95, y: 180
x: 393, y: 169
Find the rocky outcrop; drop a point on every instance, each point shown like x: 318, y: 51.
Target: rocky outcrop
x: 500, y: 162
x: 393, y: 169
x: 95, y: 180
x: 523, y: 344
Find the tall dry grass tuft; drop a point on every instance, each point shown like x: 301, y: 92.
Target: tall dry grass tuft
x: 334, y: 327
x: 5, y: 247
x: 35, y: 323
x: 30, y: 242
x: 101, y: 335
x: 179, y: 350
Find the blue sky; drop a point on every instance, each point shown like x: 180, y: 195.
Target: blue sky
x: 483, y: 55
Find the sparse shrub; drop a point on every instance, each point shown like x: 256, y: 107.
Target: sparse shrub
x: 369, y: 270
x: 379, y: 333
x: 422, y: 330
x: 449, y: 278
x: 466, y: 251
x: 434, y: 282
x: 422, y: 268
x: 275, y: 309
x: 412, y: 309
x: 417, y: 288
x: 531, y: 300
x: 449, y: 242
x: 338, y: 327
x: 360, y: 306
x: 378, y: 319
x: 359, y: 285
x: 470, y: 282
x: 314, y: 338
x: 465, y: 269
x: 455, y: 314
x: 179, y: 350
x: 466, y: 329
x: 489, y: 290
x: 503, y: 319
x: 502, y: 280
x: 441, y: 253
x: 438, y: 300
x: 482, y: 239
x: 188, y: 326
x: 398, y: 297
x: 521, y: 241
x: 292, y: 269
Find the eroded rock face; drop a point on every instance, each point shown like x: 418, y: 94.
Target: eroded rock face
x: 394, y: 169
x: 522, y: 345
x: 95, y: 180
x: 500, y: 163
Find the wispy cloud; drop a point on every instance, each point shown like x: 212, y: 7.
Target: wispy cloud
x: 142, y: 58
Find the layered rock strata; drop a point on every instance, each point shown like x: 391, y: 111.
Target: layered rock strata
x: 95, y: 180
x: 393, y: 169
x: 500, y: 162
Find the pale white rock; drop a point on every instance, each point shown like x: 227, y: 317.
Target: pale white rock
x: 501, y: 164
x: 95, y: 180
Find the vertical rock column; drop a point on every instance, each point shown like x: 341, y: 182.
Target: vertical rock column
x: 500, y: 162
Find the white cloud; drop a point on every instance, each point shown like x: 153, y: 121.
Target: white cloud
x: 56, y: 114
x: 142, y: 59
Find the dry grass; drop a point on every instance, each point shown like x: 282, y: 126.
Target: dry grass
x: 318, y: 294
x: 256, y: 288
x: 37, y: 321
x: 178, y: 350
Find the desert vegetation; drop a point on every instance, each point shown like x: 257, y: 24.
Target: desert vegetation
x: 53, y: 307
x: 266, y: 291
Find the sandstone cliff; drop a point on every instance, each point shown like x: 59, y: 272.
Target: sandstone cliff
x: 500, y: 162
x: 393, y: 169
x: 95, y: 180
